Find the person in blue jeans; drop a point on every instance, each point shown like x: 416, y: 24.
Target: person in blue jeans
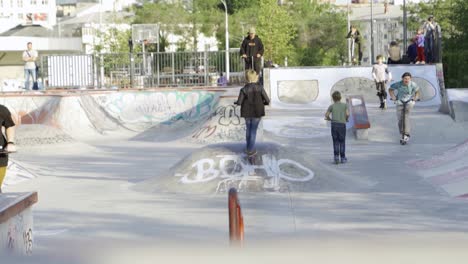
x: 30, y: 70
x: 252, y: 100
x: 339, y: 116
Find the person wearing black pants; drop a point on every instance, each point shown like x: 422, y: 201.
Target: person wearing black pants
x: 379, y: 72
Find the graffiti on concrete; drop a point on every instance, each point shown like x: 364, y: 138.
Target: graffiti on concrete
x: 10, y: 85
x: 28, y: 241
x: 156, y: 107
x: 224, y: 125
x: 229, y: 168
x: 228, y: 115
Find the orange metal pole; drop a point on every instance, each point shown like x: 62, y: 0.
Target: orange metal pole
x: 236, y: 221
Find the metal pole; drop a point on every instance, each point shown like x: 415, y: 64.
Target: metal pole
x: 372, y: 30
x: 349, y: 39
x: 143, y: 73
x: 405, y: 28
x: 227, y: 39
x: 132, y: 62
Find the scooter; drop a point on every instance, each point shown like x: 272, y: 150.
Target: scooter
x: 404, y: 138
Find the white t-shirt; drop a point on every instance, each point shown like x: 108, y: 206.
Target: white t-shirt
x: 379, y: 71
x: 30, y: 65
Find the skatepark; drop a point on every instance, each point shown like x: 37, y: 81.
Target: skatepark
x: 142, y: 175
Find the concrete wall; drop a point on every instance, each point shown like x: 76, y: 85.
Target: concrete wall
x: 311, y: 87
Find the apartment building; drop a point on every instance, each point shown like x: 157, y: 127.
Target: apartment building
x: 27, y: 12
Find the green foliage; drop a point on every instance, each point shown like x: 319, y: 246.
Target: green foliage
x: 235, y: 6
x: 276, y: 29
x: 452, y: 16
x: 321, y: 34
x: 440, y: 9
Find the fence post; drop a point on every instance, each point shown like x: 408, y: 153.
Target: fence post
x: 236, y: 221
x: 205, y: 61
x: 173, y: 67
x: 158, y: 54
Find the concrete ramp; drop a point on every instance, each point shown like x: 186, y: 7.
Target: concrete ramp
x: 448, y: 170
x: 121, y: 114
x: 222, y: 124
x: 458, y: 104
x: 216, y: 168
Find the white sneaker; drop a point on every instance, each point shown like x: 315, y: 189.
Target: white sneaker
x: 406, y: 138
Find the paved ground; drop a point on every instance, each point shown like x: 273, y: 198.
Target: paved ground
x: 90, y: 210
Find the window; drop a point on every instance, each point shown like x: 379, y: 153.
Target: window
x: 20, y: 3
x: 20, y: 16
x: 33, y: 2
x: 45, y: 2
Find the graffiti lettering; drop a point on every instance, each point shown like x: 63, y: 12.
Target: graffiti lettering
x: 205, y: 132
x: 235, y: 167
x: 28, y: 241
x: 228, y: 115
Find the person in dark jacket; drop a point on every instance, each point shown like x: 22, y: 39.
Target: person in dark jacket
x: 412, y: 51
x: 252, y: 99
x: 252, y: 49
x: 355, y: 36
x: 7, y: 141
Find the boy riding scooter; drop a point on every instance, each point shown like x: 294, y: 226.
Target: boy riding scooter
x: 407, y: 94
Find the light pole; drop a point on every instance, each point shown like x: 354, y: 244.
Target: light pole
x: 372, y: 30
x: 405, y: 27
x: 227, y: 40
x: 349, y: 39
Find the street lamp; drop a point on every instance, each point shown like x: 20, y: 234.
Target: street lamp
x: 349, y: 39
x: 227, y: 40
x: 405, y: 27
x: 372, y: 30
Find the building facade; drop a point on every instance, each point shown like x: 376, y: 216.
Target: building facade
x: 27, y: 12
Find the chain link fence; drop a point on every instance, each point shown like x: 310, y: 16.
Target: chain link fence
x: 139, y: 70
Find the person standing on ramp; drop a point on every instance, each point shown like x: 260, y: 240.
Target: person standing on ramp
x: 251, y: 51
x: 252, y: 100
x: 339, y: 116
x: 379, y: 72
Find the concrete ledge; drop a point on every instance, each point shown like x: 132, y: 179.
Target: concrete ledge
x: 16, y: 222
x: 362, y: 134
x: 12, y: 204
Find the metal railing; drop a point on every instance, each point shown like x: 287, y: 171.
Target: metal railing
x: 138, y: 70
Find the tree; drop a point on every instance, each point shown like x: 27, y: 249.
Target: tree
x: 276, y: 29
x: 321, y: 33
x: 452, y: 16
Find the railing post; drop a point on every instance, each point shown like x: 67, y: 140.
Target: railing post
x: 173, y: 67
x: 236, y: 221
